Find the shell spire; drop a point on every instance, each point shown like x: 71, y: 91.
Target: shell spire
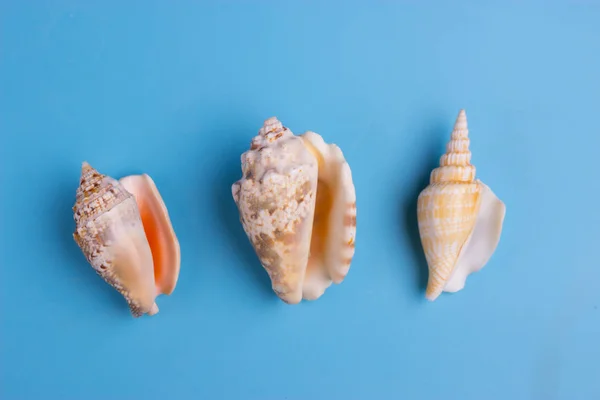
x: 96, y: 194
x: 271, y: 130
x: 85, y: 168
x: 455, y: 164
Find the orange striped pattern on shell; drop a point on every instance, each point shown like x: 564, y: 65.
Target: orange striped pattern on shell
x: 447, y: 209
x: 446, y: 215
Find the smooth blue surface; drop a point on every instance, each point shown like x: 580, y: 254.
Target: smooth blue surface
x: 178, y: 89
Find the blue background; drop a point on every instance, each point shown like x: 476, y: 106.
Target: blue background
x: 178, y: 89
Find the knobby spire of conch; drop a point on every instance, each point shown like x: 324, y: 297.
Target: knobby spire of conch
x: 297, y: 205
x: 124, y: 231
x: 460, y: 218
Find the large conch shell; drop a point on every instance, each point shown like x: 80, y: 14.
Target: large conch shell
x: 124, y: 231
x: 460, y: 218
x: 297, y: 205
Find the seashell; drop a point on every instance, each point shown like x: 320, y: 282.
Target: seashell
x: 124, y: 231
x: 297, y: 205
x: 460, y: 218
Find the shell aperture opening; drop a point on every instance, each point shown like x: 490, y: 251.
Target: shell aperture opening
x: 163, y: 242
x: 334, y: 224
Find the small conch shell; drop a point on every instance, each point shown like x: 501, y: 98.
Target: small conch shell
x: 460, y: 218
x: 297, y: 205
x: 124, y: 231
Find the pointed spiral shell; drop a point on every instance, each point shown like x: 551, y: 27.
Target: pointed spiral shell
x: 455, y: 165
x: 111, y: 236
x: 447, y: 209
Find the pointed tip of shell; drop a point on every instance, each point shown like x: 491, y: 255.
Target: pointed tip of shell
x: 461, y: 129
x: 455, y: 164
x: 154, y: 310
x: 271, y: 131
x: 271, y: 124
x: 88, y: 172
x: 272, y: 121
x: 461, y: 120
x: 433, y: 295
x: 86, y: 168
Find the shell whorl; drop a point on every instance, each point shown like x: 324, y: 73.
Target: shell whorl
x: 271, y: 131
x: 455, y: 164
x: 96, y: 194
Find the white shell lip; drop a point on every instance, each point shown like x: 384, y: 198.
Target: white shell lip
x: 302, y: 252
x: 334, y: 169
x: 483, y: 241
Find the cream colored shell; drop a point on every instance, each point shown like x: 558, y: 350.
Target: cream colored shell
x: 460, y: 218
x: 127, y: 238
x: 297, y: 205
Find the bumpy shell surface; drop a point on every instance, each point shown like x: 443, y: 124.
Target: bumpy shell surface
x: 294, y: 193
x: 460, y: 218
x: 110, y: 233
